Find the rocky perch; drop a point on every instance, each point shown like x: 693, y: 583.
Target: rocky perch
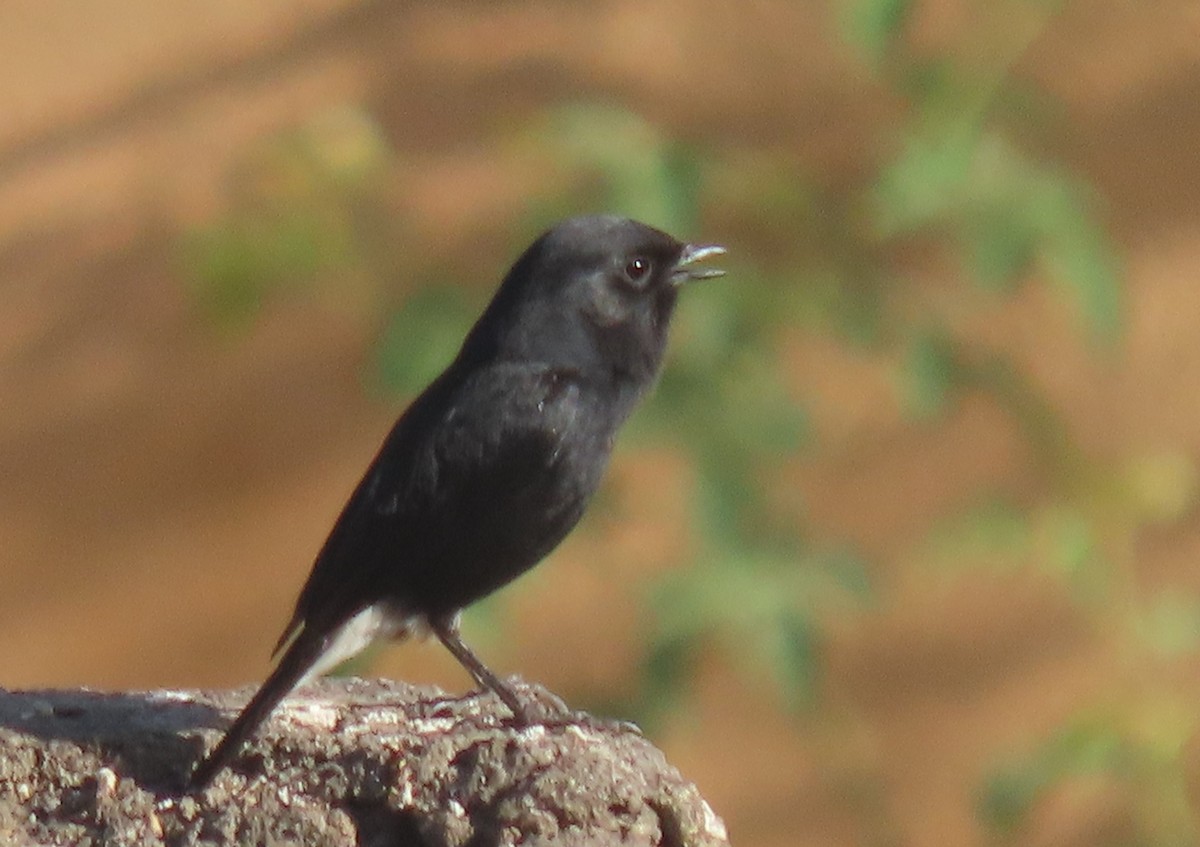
x: 342, y: 762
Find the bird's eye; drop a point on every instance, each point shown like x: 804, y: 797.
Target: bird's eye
x: 637, y: 270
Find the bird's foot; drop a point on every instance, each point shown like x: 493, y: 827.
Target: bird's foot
x: 536, y: 706
x: 586, y: 720
x: 548, y: 710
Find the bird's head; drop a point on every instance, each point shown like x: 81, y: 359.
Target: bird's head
x: 594, y: 294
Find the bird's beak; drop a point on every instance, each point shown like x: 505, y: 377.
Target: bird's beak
x: 692, y: 253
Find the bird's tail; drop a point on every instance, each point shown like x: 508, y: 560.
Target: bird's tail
x: 298, y: 660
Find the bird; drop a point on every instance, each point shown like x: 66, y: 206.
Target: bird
x: 493, y: 464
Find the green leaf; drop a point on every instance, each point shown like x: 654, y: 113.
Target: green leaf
x: 1000, y: 249
x: 1089, y: 745
x: 229, y: 273
x: 1085, y: 262
x: 991, y: 534
x: 795, y: 649
x: 849, y: 573
x: 1008, y: 797
x: 421, y: 339
x: 1074, y: 550
x: 1085, y: 747
x: 644, y: 174
x: 669, y: 665
x: 925, y: 181
x: 929, y: 374
x: 875, y: 26
x: 1079, y: 255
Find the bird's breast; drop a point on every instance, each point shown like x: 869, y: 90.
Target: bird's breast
x: 512, y: 475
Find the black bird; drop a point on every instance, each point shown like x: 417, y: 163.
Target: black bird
x: 493, y: 464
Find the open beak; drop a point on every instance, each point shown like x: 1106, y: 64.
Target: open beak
x: 692, y: 253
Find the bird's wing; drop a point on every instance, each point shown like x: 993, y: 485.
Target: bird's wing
x: 336, y: 587
x: 457, y: 499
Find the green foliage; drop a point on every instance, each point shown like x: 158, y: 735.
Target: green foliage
x: 420, y: 338
x: 764, y: 606
x: 1135, y: 756
x: 1083, y: 749
x: 240, y: 262
x: 875, y: 27
x: 297, y: 215
x: 643, y: 173
x: 930, y: 373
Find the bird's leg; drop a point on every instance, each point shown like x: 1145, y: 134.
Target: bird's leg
x: 447, y: 632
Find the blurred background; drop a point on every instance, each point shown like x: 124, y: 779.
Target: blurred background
x: 904, y: 548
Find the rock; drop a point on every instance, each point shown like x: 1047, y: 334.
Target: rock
x: 341, y: 762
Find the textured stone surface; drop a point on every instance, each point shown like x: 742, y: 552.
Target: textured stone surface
x: 344, y: 762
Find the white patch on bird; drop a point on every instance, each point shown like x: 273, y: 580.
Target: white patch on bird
x: 373, y: 623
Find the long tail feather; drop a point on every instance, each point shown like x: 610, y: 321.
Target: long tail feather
x: 300, y: 657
